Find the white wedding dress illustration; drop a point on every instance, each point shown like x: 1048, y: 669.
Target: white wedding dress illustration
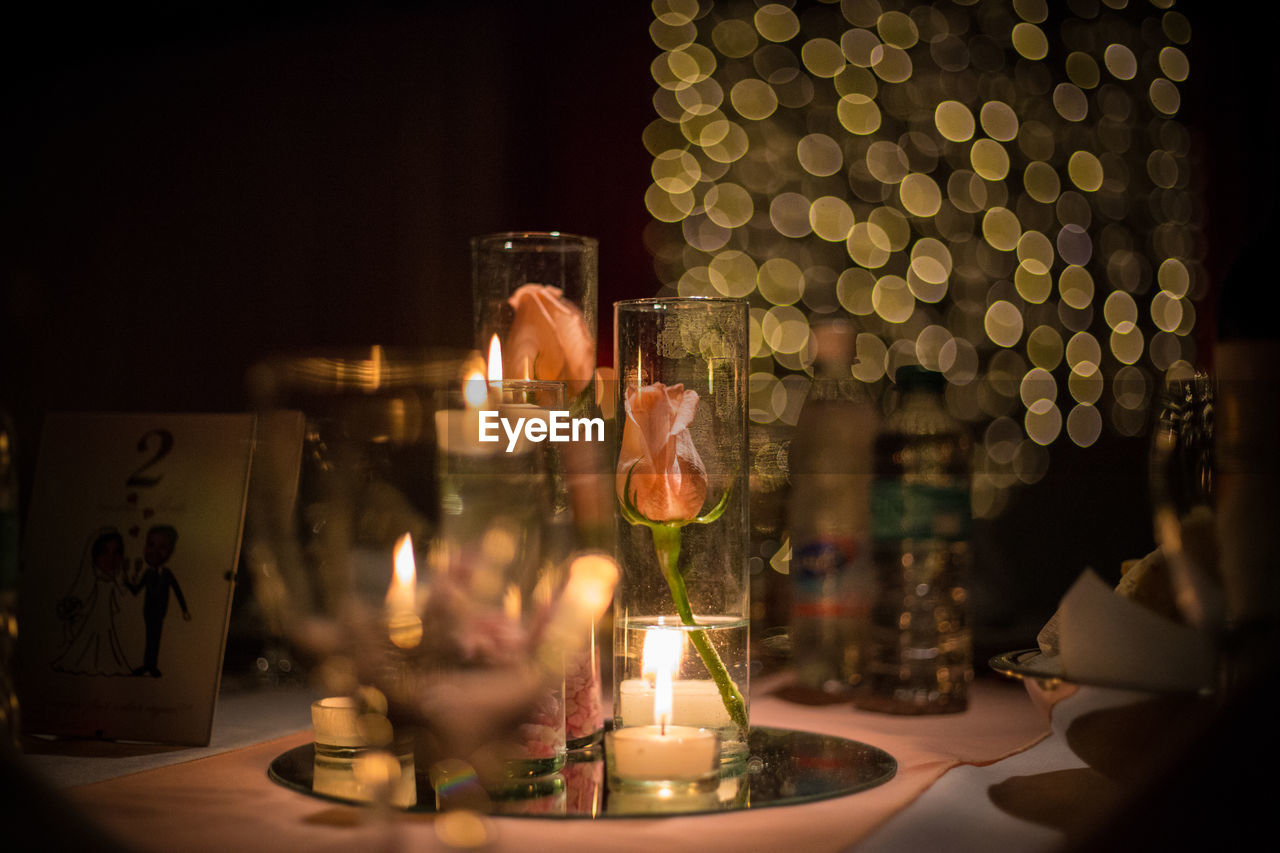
x: 95, y: 645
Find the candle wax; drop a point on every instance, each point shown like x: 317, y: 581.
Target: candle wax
x: 648, y: 753
x: 458, y: 432
x: 695, y: 702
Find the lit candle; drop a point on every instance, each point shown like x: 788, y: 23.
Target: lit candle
x: 695, y: 702
x: 662, y: 752
x: 334, y: 720
x: 495, y: 360
x: 403, y: 623
x: 458, y: 430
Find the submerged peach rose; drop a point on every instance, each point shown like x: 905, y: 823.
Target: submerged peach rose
x: 548, y: 339
x: 668, y: 481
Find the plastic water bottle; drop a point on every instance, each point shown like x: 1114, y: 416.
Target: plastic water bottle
x: 921, y: 651
x: 831, y: 571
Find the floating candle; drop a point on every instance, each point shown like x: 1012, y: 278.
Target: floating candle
x: 662, y: 752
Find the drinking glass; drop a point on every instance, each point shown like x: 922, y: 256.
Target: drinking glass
x: 408, y: 558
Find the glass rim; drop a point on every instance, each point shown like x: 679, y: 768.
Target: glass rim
x: 566, y: 239
x: 370, y: 369
x: 517, y: 382
x: 662, y: 301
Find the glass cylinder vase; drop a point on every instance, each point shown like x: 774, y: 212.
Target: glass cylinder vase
x: 681, y: 493
x: 535, y: 294
x: 536, y: 291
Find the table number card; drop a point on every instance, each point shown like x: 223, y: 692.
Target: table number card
x: 129, y: 561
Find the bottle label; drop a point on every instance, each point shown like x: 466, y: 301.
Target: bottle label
x: 917, y: 511
x: 817, y: 572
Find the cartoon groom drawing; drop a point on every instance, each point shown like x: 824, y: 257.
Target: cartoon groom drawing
x: 157, y: 580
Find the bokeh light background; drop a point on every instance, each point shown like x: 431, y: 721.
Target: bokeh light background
x: 997, y: 190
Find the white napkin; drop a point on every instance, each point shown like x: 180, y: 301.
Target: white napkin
x: 1108, y: 639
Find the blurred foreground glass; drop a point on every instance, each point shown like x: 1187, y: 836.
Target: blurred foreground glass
x: 409, y: 558
x: 535, y: 298
x: 681, y: 490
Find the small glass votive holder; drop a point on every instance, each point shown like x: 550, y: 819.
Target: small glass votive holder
x: 653, y: 759
x: 335, y: 720
x: 347, y: 768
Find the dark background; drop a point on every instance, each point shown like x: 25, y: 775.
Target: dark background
x: 189, y: 187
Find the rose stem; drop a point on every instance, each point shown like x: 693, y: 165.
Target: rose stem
x: 666, y: 542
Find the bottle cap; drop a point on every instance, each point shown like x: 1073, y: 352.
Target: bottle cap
x: 834, y: 342
x: 913, y: 377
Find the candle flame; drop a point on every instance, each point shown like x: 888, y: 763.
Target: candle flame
x: 495, y: 359
x: 403, y: 624
x: 406, y: 568
x: 592, y: 578
x: 475, y: 390
x: 511, y: 603
x: 661, y: 658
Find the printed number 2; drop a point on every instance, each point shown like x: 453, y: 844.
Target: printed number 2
x: 140, y: 477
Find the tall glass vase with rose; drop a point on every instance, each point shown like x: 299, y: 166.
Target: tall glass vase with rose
x: 535, y: 294
x: 680, y: 482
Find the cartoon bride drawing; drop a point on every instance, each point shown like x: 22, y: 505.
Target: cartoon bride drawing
x: 94, y: 648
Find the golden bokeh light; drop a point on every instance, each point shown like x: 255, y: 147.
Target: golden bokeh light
x: 1085, y: 171
x: 734, y: 38
x: 868, y: 245
x: 831, y: 218
x: 1164, y: 96
x: 733, y: 273
x: 675, y: 12
x: 857, y: 45
x: 1083, y: 70
x: 1173, y: 277
x: 1084, y: 424
x: 989, y: 160
x: 1174, y: 64
x: 892, y: 299
x: 819, y: 154
x: 887, y: 162
x: 785, y: 328
x: 992, y: 191
x: 1120, y: 61
x: 789, y: 214
x: 1043, y: 422
x: 667, y: 207
x: 1044, y: 347
x: 1070, y: 102
x: 753, y: 99
x: 954, y: 121
x: 1003, y: 323
x: 1030, y: 41
x: 728, y: 205
x: 823, y: 57
x: 853, y: 289
x: 780, y: 282
x: 776, y: 22
x: 920, y: 195
x: 897, y: 29
x: 999, y: 121
x: 858, y: 114
x: 1001, y: 229
x: 1084, y: 382
x: 891, y: 64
